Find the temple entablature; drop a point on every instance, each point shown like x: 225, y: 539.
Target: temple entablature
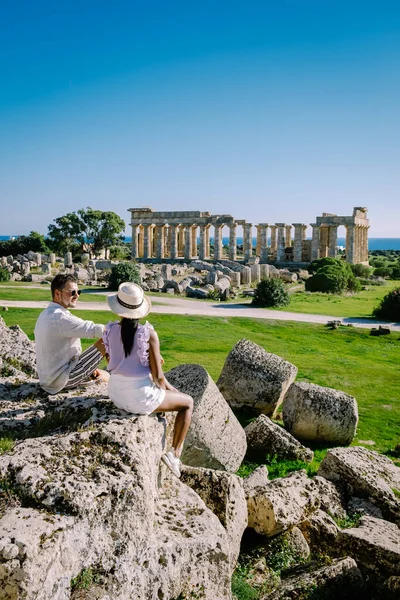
x: 193, y: 234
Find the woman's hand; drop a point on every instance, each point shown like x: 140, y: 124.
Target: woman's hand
x: 169, y: 387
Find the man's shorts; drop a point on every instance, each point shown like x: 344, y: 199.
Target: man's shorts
x: 84, y: 368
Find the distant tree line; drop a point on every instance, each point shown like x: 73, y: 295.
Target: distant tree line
x: 86, y: 230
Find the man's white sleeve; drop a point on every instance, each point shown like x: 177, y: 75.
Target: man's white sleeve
x: 71, y: 326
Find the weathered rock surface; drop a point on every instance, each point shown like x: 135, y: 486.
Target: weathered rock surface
x: 297, y: 543
x: 365, y: 474
x: 258, y: 478
x: 90, y: 499
x: 255, y: 378
x: 17, y: 352
x: 320, y: 531
x: 374, y: 544
x: 332, y: 497
x: 216, y: 439
x: 265, y: 437
x: 315, y: 413
x: 341, y: 579
x: 223, y: 494
x: 282, y: 504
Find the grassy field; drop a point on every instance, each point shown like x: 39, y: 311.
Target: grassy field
x: 33, y: 293
x: 355, y: 305
x: 347, y: 358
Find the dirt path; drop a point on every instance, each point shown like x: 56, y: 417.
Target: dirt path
x: 182, y: 306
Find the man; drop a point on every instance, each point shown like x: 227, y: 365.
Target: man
x: 60, y: 362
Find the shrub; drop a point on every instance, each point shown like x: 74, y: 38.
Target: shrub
x: 328, y: 261
x: 354, y: 284
x: 360, y: 270
x: 271, y: 292
x: 4, y: 274
x: 383, y: 271
x: 330, y: 280
x: 122, y: 252
x: 125, y: 271
x: 389, y: 307
x: 396, y: 273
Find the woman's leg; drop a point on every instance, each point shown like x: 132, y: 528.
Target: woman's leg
x: 183, y: 404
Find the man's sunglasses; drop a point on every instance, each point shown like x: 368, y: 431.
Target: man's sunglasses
x: 73, y: 292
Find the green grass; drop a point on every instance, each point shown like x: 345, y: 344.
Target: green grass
x: 347, y: 358
x: 34, y: 294
x: 357, y: 305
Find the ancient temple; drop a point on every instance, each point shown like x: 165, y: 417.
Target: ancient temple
x: 187, y: 235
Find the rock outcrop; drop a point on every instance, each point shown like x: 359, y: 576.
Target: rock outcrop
x: 315, y: 413
x: 252, y: 377
x: 216, y: 439
x: 365, y: 474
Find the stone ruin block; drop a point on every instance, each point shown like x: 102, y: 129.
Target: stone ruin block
x: 245, y: 276
x: 255, y: 273
x: 264, y: 271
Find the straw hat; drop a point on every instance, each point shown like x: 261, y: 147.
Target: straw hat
x: 130, y: 301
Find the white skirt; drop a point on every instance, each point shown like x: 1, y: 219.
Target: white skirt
x: 139, y: 396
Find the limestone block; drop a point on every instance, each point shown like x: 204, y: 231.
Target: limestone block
x: 38, y: 259
x: 224, y: 283
x: 212, y: 277
x: 282, y: 503
x: 25, y: 269
x: 81, y: 274
x: 52, y: 259
x: 255, y: 273
x: 46, y: 269
x: 374, y: 544
x: 366, y: 474
x: 235, y: 279
x: 341, y: 579
x: 3, y: 261
x: 68, y: 259
x: 17, y: 267
x: 320, y: 531
x: 31, y: 255
x: 15, y: 346
x: 245, y: 276
x: 104, y: 264
x: 166, y: 271
x: 332, y: 497
x: 196, y: 293
x: 255, y: 378
x: 223, y: 494
x: 363, y: 507
x: 315, y: 413
x: 287, y: 276
x: 172, y: 284
x: 161, y: 542
x: 264, y: 271
x: 297, y: 543
x: 265, y: 437
x: 258, y: 478
x: 10, y: 259
x: 216, y: 439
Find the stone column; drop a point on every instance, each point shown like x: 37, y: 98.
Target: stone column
x: 135, y: 241
x: 299, y: 236
x: 217, y: 242
x: 173, y: 233
x: 280, y: 252
x: 365, y: 245
x: 68, y: 259
x: 350, y: 244
x: 194, y: 240
x: 255, y: 273
x: 264, y: 271
x: 207, y: 242
x: 188, y: 243
x: 181, y: 240
x: 38, y: 259
x: 288, y: 236
x: 247, y: 241
x: 273, y: 239
x: 332, y: 241
x: 258, y: 241
x: 232, y: 242
x: 52, y: 259
x: 245, y: 276
x: 160, y: 241
x: 315, y: 241
x: 147, y: 240
x: 141, y: 241
x: 262, y: 230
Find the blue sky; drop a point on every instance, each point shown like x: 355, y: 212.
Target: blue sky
x: 269, y: 111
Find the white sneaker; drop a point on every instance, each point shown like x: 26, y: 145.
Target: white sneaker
x: 173, y: 463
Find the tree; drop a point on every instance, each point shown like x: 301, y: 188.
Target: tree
x: 271, y: 292
x: 389, y: 307
x: 87, y: 230
x: 125, y: 271
x: 331, y: 276
x: 22, y: 244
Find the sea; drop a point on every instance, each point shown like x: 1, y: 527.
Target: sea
x: 373, y: 243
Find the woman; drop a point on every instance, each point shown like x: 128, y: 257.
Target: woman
x: 137, y: 383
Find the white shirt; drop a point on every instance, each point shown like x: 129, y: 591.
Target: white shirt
x: 58, y: 346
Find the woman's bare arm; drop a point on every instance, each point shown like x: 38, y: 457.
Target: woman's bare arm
x: 156, y: 361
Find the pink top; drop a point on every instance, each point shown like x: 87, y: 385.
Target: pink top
x: 137, y: 363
